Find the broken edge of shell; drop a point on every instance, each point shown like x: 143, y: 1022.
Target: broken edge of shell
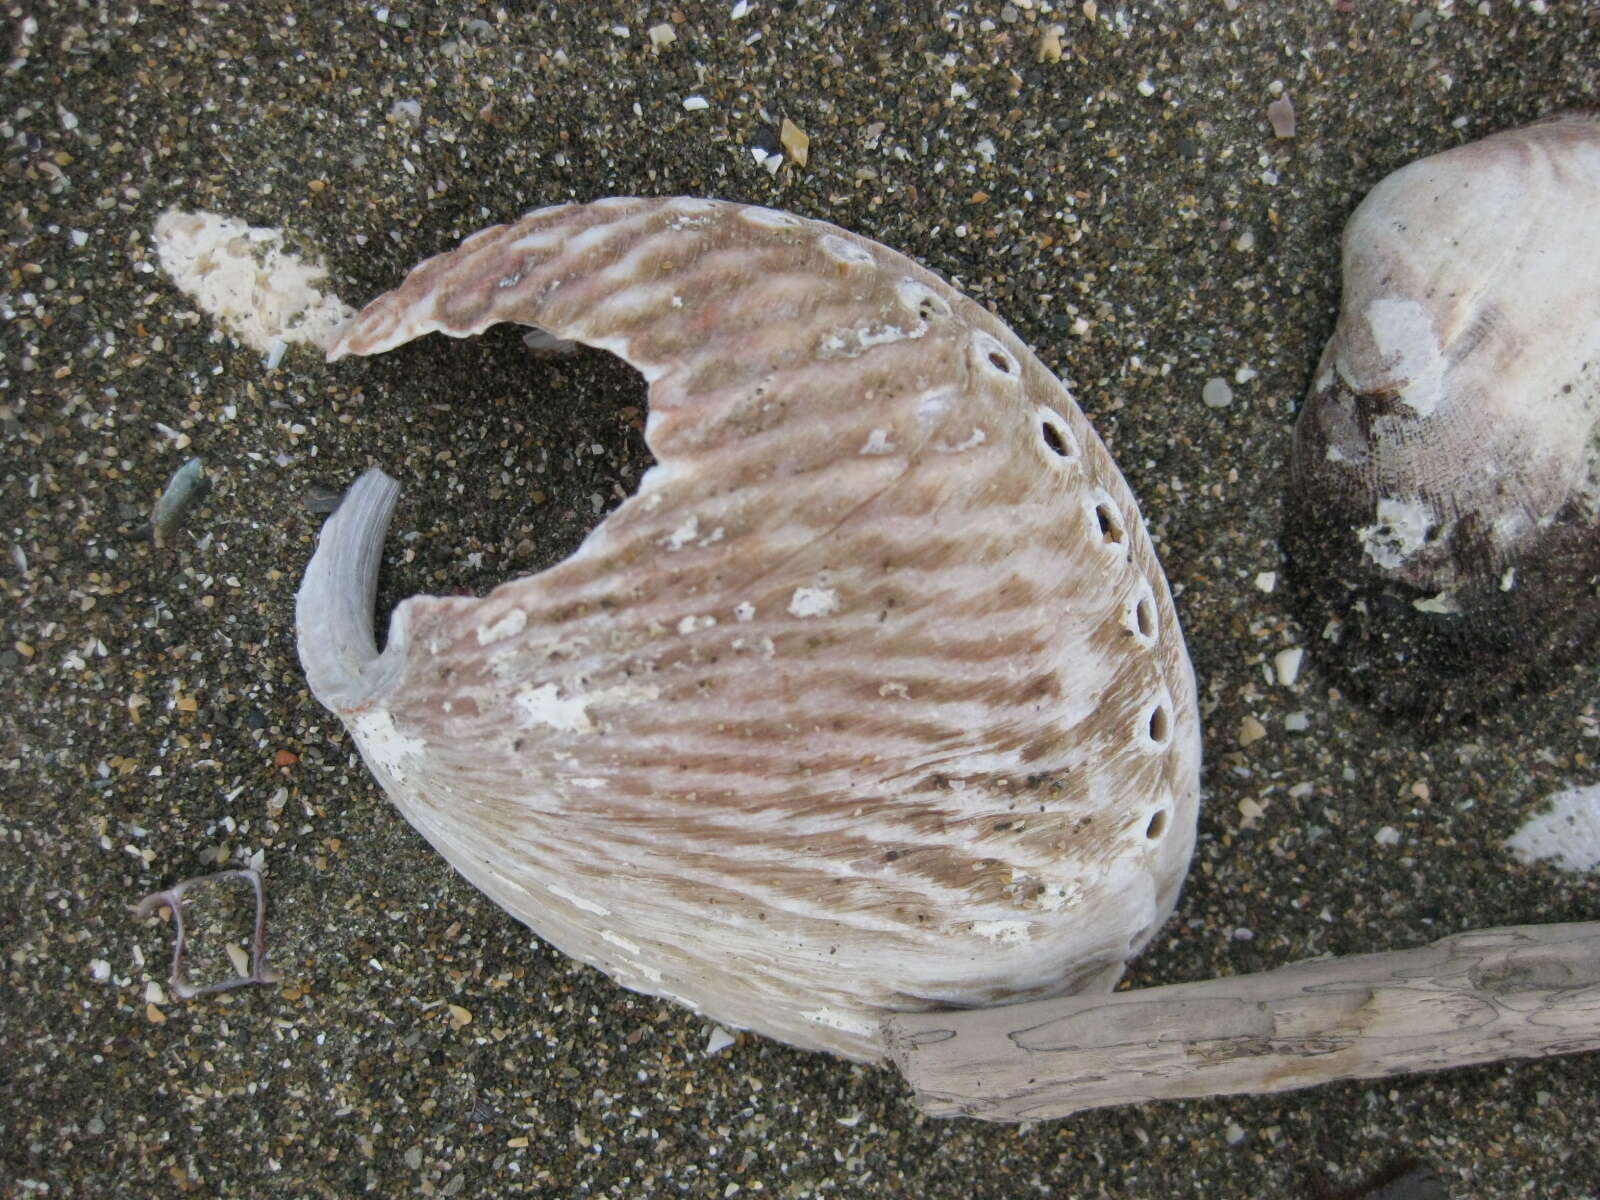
x: 333, y: 608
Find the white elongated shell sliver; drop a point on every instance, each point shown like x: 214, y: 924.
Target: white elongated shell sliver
x: 872, y: 699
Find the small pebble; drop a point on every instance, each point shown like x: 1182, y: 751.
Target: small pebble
x: 187, y: 485
x: 319, y: 499
x: 1280, y: 114
x: 795, y: 141
x: 1217, y: 393
x: 1387, y: 836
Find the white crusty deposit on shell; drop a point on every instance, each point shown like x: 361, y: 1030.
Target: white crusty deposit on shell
x: 872, y: 699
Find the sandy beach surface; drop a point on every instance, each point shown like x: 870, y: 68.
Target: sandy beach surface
x: 1103, y: 176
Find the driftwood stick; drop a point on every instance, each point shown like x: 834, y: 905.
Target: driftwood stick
x: 1519, y: 992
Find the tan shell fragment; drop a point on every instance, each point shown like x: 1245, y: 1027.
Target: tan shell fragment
x: 872, y: 699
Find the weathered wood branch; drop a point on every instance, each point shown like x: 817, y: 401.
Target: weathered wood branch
x: 1518, y: 992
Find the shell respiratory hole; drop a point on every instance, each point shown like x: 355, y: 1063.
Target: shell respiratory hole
x: 871, y: 699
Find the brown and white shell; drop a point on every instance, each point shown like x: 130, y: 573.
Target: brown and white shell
x: 871, y: 700
x: 1445, y: 471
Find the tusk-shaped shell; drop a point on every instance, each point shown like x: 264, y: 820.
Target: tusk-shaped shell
x: 872, y: 699
x: 333, y: 609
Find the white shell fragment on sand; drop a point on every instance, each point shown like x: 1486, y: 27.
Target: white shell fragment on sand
x: 1445, y: 463
x: 246, y: 279
x: 872, y: 699
x: 1565, y: 831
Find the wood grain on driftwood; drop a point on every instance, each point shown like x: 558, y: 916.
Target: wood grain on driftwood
x: 1517, y: 992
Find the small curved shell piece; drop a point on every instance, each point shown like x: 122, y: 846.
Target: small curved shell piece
x: 872, y: 699
x: 1445, y: 465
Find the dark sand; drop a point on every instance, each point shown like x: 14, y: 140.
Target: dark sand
x: 1106, y: 229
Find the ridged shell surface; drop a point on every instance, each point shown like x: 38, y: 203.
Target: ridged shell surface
x: 871, y: 699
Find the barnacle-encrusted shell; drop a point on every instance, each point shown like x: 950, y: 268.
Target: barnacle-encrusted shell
x: 1445, y: 461
x: 872, y: 699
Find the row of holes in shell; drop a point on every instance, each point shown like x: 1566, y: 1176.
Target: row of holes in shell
x: 1107, y: 528
x: 1153, y: 727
